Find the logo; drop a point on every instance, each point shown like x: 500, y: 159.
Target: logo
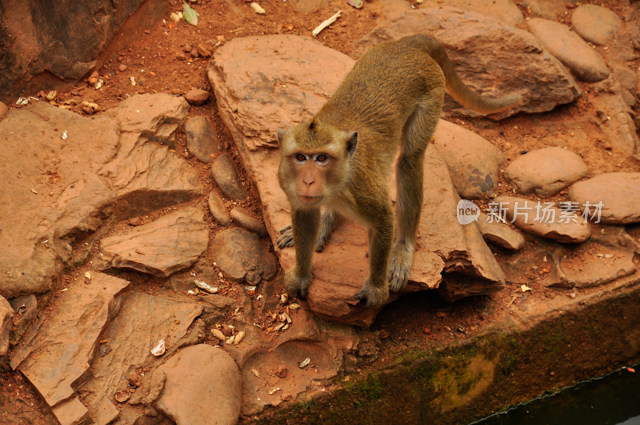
x: 467, y: 212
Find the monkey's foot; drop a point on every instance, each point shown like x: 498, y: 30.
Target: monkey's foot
x: 296, y: 286
x: 373, y: 296
x: 286, y: 237
x: 400, y: 266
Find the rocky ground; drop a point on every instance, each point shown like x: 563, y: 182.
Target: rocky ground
x: 141, y: 206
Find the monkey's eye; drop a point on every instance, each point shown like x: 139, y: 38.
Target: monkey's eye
x: 321, y: 158
x: 300, y: 158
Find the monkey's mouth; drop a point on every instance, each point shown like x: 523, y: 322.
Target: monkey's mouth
x: 310, y: 200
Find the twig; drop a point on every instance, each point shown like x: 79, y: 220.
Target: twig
x: 326, y: 23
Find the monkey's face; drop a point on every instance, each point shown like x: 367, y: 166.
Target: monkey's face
x: 315, y: 163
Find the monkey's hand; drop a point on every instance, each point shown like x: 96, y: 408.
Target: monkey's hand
x: 373, y: 296
x: 286, y: 237
x: 295, y: 285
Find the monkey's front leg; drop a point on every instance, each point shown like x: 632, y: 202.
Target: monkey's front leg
x: 304, y: 223
x: 375, y: 290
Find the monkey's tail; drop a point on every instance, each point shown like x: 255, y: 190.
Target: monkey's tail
x: 461, y: 93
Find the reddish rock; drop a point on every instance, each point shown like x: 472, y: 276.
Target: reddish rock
x: 202, y: 140
x: 218, y: 210
x: 241, y: 256
x: 504, y: 11
x: 542, y: 219
x: 71, y: 333
x: 491, y: 58
x: 171, y: 243
x: 617, y: 193
x: 197, y: 97
x: 570, y: 49
x: 500, y: 233
x: 225, y: 175
x: 473, y: 161
x: 595, y: 23
x: 545, y: 171
x: 248, y: 221
x: 203, y: 385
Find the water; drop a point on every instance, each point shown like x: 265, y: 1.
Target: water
x: 613, y: 399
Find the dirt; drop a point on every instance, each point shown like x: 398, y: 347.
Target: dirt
x: 160, y: 59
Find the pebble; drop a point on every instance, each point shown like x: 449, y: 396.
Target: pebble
x: 595, y: 23
x: 218, y: 210
x: 618, y: 193
x: 197, y: 97
x: 226, y: 177
x: 247, y: 221
x: 122, y: 67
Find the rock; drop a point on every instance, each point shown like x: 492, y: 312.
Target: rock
x: 443, y: 243
x: 248, y: 221
x: 548, y: 9
x: 492, y: 58
x: 226, y: 177
x: 147, y: 176
x: 70, y: 333
x: 283, y: 58
x: 6, y: 323
x: 546, y: 171
x: 197, y: 97
x: 4, y: 110
x: 627, y: 80
x: 570, y: 49
x: 472, y: 160
x: 218, y: 210
x: 71, y: 412
x: 203, y: 385
x: 612, y: 198
x: 542, y: 219
x: 202, y: 140
x: 76, y: 147
x: 26, y: 308
x: 150, y: 117
x: 323, y: 366
x: 171, y: 243
x: 241, y: 256
x: 504, y: 11
x: 143, y: 320
x: 500, y: 233
x: 595, y: 23
x: 50, y: 48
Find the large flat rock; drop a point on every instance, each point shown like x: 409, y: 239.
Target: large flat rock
x: 492, y: 58
x: 57, y: 354
x: 143, y: 320
x: 443, y: 244
x: 610, y: 197
x: 171, y: 243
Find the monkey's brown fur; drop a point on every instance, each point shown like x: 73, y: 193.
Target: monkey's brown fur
x: 340, y: 161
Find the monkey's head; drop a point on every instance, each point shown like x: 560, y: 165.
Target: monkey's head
x: 315, y: 163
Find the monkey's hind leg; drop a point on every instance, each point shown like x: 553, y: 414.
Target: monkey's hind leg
x: 305, y: 223
x: 418, y: 132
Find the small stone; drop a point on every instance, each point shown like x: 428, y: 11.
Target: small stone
x: 612, y: 197
x: 545, y: 171
x: 197, y: 97
x: 500, y: 233
x: 218, y: 210
x: 570, y: 49
x: 241, y: 256
x: 225, y: 175
x: 282, y: 372
x: 204, y: 50
x: 595, y: 23
x: 257, y: 8
x: 122, y: 67
x: 543, y: 219
x: 247, y: 221
x: 202, y: 140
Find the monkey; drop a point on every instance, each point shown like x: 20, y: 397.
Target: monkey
x: 338, y: 163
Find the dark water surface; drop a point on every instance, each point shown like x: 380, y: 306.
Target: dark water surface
x: 613, y: 399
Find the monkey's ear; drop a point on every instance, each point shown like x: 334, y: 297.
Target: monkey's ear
x: 352, y: 142
x: 280, y: 136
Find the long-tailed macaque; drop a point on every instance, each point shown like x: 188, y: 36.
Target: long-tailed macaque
x: 340, y: 161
